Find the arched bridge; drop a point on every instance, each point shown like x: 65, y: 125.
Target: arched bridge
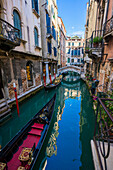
x: 75, y: 69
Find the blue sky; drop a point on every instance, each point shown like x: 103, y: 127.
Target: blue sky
x: 73, y: 13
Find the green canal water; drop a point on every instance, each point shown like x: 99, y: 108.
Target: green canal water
x: 67, y: 146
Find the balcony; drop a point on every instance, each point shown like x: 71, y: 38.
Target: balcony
x: 108, y: 28
x: 49, y: 33
x: 9, y: 36
x: 93, y: 45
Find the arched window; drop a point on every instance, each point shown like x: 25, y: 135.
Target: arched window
x: 36, y: 36
x: 17, y: 21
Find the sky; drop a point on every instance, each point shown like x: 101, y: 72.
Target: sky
x: 73, y: 14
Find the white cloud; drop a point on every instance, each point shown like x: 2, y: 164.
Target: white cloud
x: 78, y: 33
x: 73, y: 27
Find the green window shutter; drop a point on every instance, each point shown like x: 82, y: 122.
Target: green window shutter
x: 36, y: 36
x: 17, y: 21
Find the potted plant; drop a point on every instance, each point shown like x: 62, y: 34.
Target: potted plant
x: 95, y: 41
x: 100, y: 41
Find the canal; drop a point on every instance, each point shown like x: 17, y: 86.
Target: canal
x: 67, y: 145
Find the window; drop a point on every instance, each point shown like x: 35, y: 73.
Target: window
x: 36, y: 36
x: 79, y: 43
x: 48, y: 24
x: 72, y: 52
x: 54, y: 16
x: 68, y: 51
x: 69, y: 43
x: 35, y: 5
x: 79, y: 52
x: 78, y: 60
x: 68, y: 60
x: 55, y: 52
x: 72, y: 60
x: 72, y: 43
x: 17, y: 21
x: 52, y: 9
x: 54, y: 32
x: 82, y: 51
x: 49, y: 47
x: 75, y: 52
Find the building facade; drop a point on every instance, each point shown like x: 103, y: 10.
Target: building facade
x: 74, y: 50
x: 98, y: 46
x: 20, y: 47
x: 49, y: 29
x: 90, y: 26
x: 62, y: 38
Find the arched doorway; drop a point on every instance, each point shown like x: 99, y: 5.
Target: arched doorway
x: 29, y: 70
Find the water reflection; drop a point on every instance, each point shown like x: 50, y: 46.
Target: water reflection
x: 71, y: 77
x: 52, y: 146
x: 69, y: 143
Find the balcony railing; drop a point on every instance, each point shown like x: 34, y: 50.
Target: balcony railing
x: 95, y: 41
x: 10, y: 33
x: 108, y: 27
x: 103, y: 133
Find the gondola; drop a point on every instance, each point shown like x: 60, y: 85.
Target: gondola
x: 55, y: 83
x: 23, y: 150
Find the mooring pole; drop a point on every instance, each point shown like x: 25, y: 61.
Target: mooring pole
x: 14, y: 85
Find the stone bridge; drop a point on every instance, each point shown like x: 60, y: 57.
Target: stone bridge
x: 70, y: 68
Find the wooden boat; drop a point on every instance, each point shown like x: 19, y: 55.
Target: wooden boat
x: 55, y: 83
x: 23, y: 150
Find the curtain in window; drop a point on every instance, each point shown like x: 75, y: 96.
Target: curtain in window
x: 17, y: 21
x: 36, y: 36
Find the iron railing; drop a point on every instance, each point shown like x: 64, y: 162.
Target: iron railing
x: 8, y: 32
x: 108, y: 26
x: 95, y: 41
x: 103, y: 133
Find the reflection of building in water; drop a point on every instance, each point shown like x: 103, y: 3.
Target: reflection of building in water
x: 71, y: 93
x: 86, y: 125
x: 52, y: 147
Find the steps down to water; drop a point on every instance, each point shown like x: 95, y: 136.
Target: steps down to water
x: 5, y: 111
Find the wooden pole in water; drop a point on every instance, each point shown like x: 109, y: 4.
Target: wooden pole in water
x: 44, y: 79
x: 50, y: 78
x: 14, y: 85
